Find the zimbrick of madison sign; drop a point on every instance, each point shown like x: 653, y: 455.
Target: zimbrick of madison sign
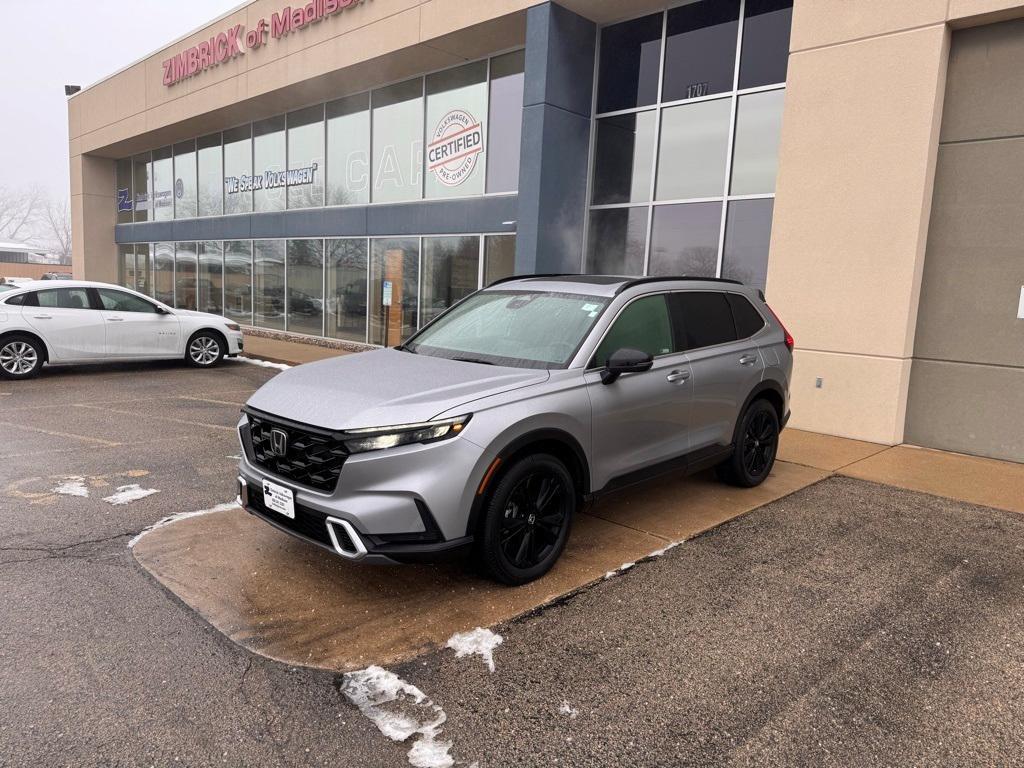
x: 234, y: 42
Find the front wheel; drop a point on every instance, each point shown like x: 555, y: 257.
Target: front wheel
x: 527, y: 520
x: 757, y: 444
x: 21, y: 357
x: 205, y: 349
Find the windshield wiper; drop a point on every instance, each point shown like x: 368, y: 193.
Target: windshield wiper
x: 472, y: 360
x: 403, y: 348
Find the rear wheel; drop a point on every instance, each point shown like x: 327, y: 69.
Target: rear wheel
x: 757, y: 444
x: 527, y: 520
x: 21, y: 357
x: 205, y: 349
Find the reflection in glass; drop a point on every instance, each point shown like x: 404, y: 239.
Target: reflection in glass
x: 268, y: 283
x: 238, y: 280
x: 505, y: 126
x: 499, y: 257
x: 306, y: 286
x: 306, y: 157
x: 765, y: 42
x: 684, y: 239
x: 268, y: 160
x: 616, y: 241
x: 748, y: 232
x: 185, y: 195
x: 630, y: 58
x: 126, y: 257
x: 348, y: 150
x: 456, y: 127
x: 700, y: 49
x: 163, y: 273
x: 162, y: 199
x: 143, y: 263
x: 238, y: 170
x: 451, y: 271
x: 623, y: 158
x: 211, y: 277
x: 185, y: 276
x: 694, y: 143
x: 398, y: 142
x: 755, y: 158
x: 346, y: 289
x: 141, y: 169
x: 210, y: 175
x: 394, y: 279
x: 123, y: 190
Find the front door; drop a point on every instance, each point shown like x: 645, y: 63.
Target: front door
x: 67, y: 322
x: 135, y: 328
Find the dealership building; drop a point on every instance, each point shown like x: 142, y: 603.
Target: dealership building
x: 349, y: 168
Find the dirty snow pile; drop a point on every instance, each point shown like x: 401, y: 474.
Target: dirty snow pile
x: 400, y: 711
x: 72, y: 486
x: 126, y: 494
x: 263, y: 363
x: 182, y: 516
x: 568, y: 709
x: 481, y: 641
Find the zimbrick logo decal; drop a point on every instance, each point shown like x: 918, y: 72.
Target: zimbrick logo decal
x: 455, y: 147
x: 235, y: 42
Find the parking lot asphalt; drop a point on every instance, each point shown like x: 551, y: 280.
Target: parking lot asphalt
x: 847, y: 624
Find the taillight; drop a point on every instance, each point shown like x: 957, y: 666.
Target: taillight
x: 789, y: 338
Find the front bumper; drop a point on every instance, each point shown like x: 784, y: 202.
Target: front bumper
x: 235, y: 342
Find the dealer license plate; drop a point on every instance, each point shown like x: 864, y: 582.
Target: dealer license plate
x: 279, y: 499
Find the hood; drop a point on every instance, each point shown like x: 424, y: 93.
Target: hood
x: 383, y: 387
x: 206, y: 315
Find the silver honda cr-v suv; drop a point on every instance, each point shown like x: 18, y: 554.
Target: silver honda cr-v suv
x: 490, y: 427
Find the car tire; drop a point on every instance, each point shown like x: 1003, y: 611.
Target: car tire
x: 757, y: 444
x: 21, y: 357
x: 205, y: 349
x: 526, y: 521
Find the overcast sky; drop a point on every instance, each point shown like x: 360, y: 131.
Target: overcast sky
x: 46, y: 45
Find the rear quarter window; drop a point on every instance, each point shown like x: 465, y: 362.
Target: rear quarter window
x: 748, y: 320
x: 15, y: 301
x: 704, y: 317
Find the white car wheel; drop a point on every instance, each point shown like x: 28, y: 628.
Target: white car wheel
x: 205, y: 350
x: 19, y: 358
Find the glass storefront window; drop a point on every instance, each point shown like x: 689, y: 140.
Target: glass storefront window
x: 123, y: 183
x: 268, y: 162
x: 163, y: 273
x: 141, y: 170
x: 211, y: 277
x: 238, y: 280
x: 394, y: 281
x: 210, y: 172
x: 617, y: 241
x: 758, y: 131
x: 684, y: 239
x: 456, y: 126
x: 143, y: 262
x: 126, y: 258
x: 306, y: 287
x: 700, y: 49
x: 694, y: 144
x: 451, y: 271
x: 629, y: 63
x: 765, y: 54
x: 748, y: 232
x: 162, y: 199
x: 346, y: 289
x: 348, y: 150
x: 306, y: 157
x: 505, y: 124
x: 185, y: 195
x: 268, y: 284
x: 398, y: 142
x: 185, y: 276
x: 499, y: 257
x: 238, y: 170
x: 624, y: 158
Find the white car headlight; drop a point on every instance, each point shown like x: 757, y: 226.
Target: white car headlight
x: 233, y: 326
x: 379, y: 438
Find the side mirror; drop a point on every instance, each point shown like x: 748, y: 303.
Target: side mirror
x: 161, y: 311
x: 625, y: 360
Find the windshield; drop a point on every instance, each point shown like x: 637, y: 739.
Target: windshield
x: 7, y: 287
x: 521, y: 329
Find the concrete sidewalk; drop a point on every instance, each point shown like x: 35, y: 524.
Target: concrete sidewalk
x: 287, y: 352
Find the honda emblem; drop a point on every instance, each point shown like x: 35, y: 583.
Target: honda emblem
x: 278, y: 442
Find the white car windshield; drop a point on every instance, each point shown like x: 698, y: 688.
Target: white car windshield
x: 521, y: 329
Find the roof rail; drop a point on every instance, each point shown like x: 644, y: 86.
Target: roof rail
x: 525, y: 277
x: 669, y: 278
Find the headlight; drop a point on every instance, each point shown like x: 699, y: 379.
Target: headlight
x: 233, y: 326
x: 378, y: 438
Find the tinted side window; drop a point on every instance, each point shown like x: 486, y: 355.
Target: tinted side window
x: 642, y: 325
x: 704, y: 317
x: 16, y: 301
x: 64, y: 298
x: 748, y: 320
x: 119, y: 301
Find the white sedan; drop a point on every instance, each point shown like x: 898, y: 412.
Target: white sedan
x: 73, y: 321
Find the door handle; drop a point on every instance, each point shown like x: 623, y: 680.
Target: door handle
x: 748, y: 359
x: 677, y: 376
x: 116, y: 319
x: 43, y: 317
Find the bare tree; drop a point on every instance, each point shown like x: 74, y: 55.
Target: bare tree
x: 55, y: 226
x: 20, y: 212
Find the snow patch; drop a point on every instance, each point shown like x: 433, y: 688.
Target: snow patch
x: 479, y: 640
x: 126, y: 494
x: 72, y: 486
x: 263, y: 363
x: 183, y: 516
x: 400, y: 710
x: 567, y: 709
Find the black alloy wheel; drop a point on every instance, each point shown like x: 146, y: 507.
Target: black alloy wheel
x: 757, y: 444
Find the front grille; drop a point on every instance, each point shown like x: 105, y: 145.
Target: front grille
x: 307, y: 523
x: 312, y: 458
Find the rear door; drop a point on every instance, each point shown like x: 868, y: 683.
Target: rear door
x: 66, y: 320
x: 725, y: 368
x: 135, y: 328
x: 641, y: 418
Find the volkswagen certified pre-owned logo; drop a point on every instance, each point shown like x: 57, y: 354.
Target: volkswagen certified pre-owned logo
x: 278, y: 442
